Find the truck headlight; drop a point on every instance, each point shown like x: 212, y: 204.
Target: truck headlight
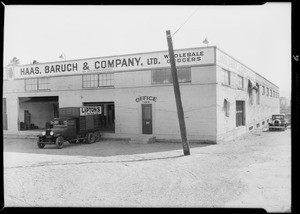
x: 43, y: 133
x: 51, y: 133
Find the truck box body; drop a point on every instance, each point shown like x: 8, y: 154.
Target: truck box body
x: 88, y: 116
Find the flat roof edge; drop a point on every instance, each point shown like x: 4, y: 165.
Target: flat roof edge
x: 131, y: 54
x: 246, y: 66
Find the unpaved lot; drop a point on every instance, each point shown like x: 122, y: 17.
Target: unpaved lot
x: 252, y: 171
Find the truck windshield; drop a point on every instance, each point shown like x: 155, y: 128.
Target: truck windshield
x: 60, y: 123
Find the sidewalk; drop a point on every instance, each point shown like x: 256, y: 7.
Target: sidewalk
x: 32, y: 134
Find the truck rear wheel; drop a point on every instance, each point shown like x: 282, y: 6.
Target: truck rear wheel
x: 97, y: 136
x: 90, y: 138
x: 59, y: 142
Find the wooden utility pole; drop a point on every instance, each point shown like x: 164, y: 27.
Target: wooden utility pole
x: 185, y: 143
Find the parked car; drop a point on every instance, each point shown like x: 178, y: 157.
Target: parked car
x: 76, y: 124
x: 278, y: 122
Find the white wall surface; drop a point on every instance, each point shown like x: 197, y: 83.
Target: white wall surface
x: 256, y: 113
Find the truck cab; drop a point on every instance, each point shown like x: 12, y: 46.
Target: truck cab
x: 66, y: 126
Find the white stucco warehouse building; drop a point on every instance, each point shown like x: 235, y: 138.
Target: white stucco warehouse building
x: 222, y: 98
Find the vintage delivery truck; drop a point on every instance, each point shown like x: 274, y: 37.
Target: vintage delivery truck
x: 74, y: 125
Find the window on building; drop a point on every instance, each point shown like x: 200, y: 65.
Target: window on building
x: 97, y: 80
x: 226, y: 107
x: 106, y: 80
x: 164, y: 76
x: 90, y: 80
x: 263, y: 90
x: 43, y: 83
x: 31, y: 84
x: 226, y: 80
x: 251, y: 94
x: 37, y: 84
x: 267, y: 91
x: 258, y: 96
x: 240, y: 113
x: 240, y: 82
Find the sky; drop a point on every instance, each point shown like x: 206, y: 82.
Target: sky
x: 257, y: 36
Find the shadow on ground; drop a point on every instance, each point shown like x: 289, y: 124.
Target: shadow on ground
x: 99, y: 149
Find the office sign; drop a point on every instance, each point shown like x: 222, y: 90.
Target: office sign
x: 184, y: 57
x: 146, y: 99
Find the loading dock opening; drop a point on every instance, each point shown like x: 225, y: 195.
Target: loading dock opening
x: 108, y: 115
x: 37, y: 112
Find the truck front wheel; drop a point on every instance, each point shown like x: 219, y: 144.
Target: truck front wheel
x: 90, y: 138
x: 41, y: 145
x: 59, y: 142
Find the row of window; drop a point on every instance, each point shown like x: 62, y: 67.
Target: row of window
x: 88, y: 81
x: 37, y: 84
x: 159, y: 76
x: 269, y: 92
x: 240, y: 84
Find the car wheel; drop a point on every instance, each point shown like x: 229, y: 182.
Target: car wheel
x: 59, y: 142
x: 41, y: 145
x: 90, y: 138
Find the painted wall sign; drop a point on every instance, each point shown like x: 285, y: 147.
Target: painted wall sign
x: 90, y: 110
x: 146, y: 99
x: 229, y: 63
x: 187, y: 57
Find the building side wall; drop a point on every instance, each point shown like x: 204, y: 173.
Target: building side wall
x: 257, y: 114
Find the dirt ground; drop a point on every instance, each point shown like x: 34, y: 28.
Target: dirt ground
x: 251, y: 171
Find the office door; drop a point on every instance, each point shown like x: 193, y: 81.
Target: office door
x: 147, y: 118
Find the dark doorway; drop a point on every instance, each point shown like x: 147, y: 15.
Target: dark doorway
x: 107, y: 118
x: 37, y: 112
x: 240, y: 113
x: 147, y: 118
x: 4, y: 113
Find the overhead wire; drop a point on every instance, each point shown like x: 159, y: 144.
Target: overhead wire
x: 185, y: 21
